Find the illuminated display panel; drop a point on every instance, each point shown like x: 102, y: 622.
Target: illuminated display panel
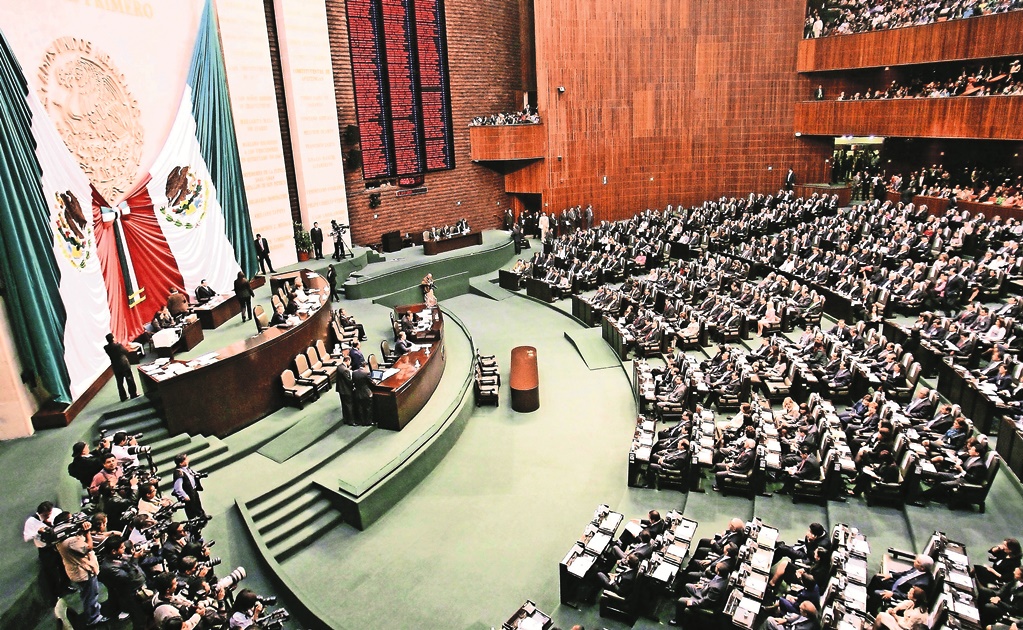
x: 402, y: 95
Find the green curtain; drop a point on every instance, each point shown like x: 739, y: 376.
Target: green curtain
x: 30, y: 274
x: 211, y: 108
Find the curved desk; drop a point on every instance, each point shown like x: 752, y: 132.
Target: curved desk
x: 525, y: 379
x: 399, y: 397
x: 243, y: 384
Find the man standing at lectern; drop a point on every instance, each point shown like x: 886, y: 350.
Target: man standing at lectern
x: 316, y: 234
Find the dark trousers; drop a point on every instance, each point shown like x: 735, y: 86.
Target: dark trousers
x: 264, y: 263
x: 246, y: 304
x: 318, y: 250
x: 347, y: 409
x: 125, y: 380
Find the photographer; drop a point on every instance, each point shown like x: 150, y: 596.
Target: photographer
x: 187, y: 486
x: 337, y: 231
x: 110, y: 475
x: 170, y: 608
x: 120, y: 450
x: 246, y: 610
x: 149, y: 502
x: 84, y: 465
x: 120, y: 572
x: 82, y: 568
x: 50, y: 566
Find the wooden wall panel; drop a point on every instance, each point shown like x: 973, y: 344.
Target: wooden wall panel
x: 992, y: 117
x: 529, y: 179
x: 507, y: 142
x: 672, y: 102
x: 486, y: 73
x: 975, y: 38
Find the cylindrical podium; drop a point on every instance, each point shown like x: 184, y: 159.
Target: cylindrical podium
x: 525, y: 379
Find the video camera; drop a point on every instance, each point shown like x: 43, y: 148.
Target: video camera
x: 274, y: 620
x: 67, y: 529
x: 337, y: 229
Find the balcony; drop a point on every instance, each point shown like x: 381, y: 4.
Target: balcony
x: 499, y: 143
x: 971, y: 117
x: 983, y: 37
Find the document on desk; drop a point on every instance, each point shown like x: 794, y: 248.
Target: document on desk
x: 685, y: 530
x: 960, y: 580
x: 677, y: 551
x: 598, y: 543
x: 767, y: 537
x: 581, y: 564
x: 958, y: 559
x: 761, y: 560
x: 665, y: 571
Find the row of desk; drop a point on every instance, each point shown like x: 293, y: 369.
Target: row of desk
x: 236, y: 385
x: 399, y: 397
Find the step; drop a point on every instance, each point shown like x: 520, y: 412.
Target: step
x: 327, y: 523
x: 296, y: 521
x: 273, y: 519
x: 169, y: 443
x: 214, y: 446
x: 117, y: 423
x: 127, y: 409
x: 259, y: 507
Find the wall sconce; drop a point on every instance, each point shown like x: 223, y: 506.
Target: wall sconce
x: 561, y: 89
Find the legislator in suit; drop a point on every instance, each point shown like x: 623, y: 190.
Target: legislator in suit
x: 316, y: 235
x: 346, y: 391
x: 243, y: 291
x: 121, y: 367
x: 263, y: 254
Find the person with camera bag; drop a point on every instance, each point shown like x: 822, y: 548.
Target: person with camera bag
x: 82, y: 568
x: 51, y: 568
x: 168, y: 606
x: 120, y: 572
x: 187, y: 485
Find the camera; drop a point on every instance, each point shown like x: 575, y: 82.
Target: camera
x: 266, y: 600
x: 337, y: 229
x: 229, y: 581
x: 275, y: 620
x: 209, y: 563
x: 59, y: 533
x: 139, y: 450
x: 200, y: 475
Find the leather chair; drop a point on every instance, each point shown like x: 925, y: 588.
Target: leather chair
x: 318, y: 366
x: 386, y: 353
x: 969, y: 494
x: 819, y: 490
x: 307, y: 376
x: 625, y: 608
x: 261, y: 318
x: 297, y: 390
x: 905, y: 393
x: 779, y: 389
x: 746, y: 484
x: 325, y: 357
x: 486, y: 390
x: 894, y: 493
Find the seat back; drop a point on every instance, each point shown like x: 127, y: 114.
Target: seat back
x: 262, y: 322
x: 288, y: 380
x: 374, y: 364
x: 302, y: 365
x: 385, y: 348
x: 321, y: 349
x: 313, y: 358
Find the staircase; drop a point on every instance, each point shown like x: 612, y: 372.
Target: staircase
x: 293, y: 518
x: 205, y: 454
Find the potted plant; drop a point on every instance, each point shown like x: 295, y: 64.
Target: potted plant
x: 303, y: 242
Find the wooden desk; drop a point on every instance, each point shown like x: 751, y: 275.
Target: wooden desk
x: 217, y: 311
x: 525, y: 379
x: 509, y: 280
x: 279, y: 280
x: 191, y: 336
x: 539, y: 289
x: 398, y: 398
x: 243, y: 384
x: 432, y: 248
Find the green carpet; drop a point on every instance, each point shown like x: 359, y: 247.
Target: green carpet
x: 307, y: 432
x: 590, y: 345
x: 489, y: 289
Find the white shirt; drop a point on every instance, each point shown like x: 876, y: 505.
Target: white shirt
x: 32, y: 526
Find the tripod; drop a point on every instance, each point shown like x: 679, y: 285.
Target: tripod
x: 340, y: 250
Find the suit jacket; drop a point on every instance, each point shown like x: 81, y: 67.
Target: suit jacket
x: 262, y: 247
x: 975, y: 469
x: 922, y: 580
x: 118, y: 358
x: 1011, y: 597
x: 744, y: 462
x: 345, y: 382
x: 358, y: 359
x: 809, y: 468
x: 316, y: 235
x: 711, y: 593
x: 920, y: 408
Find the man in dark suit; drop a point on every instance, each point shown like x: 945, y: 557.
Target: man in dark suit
x: 921, y: 407
x: 358, y: 359
x: 121, y: 366
x: 734, y: 533
x: 1008, y: 601
x: 706, y: 596
x: 279, y: 317
x: 972, y: 470
x: 624, y: 579
x: 677, y: 459
x: 894, y: 587
x: 346, y: 390
x: 316, y: 235
x: 263, y: 255
x: 804, y: 619
x: 954, y: 289
x: 784, y: 556
x: 204, y: 292
x: 742, y: 464
x: 809, y: 467
x: 363, y: 396
x: 790, y: 179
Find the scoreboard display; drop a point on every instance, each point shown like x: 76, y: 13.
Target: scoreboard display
x: 402, y: 94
